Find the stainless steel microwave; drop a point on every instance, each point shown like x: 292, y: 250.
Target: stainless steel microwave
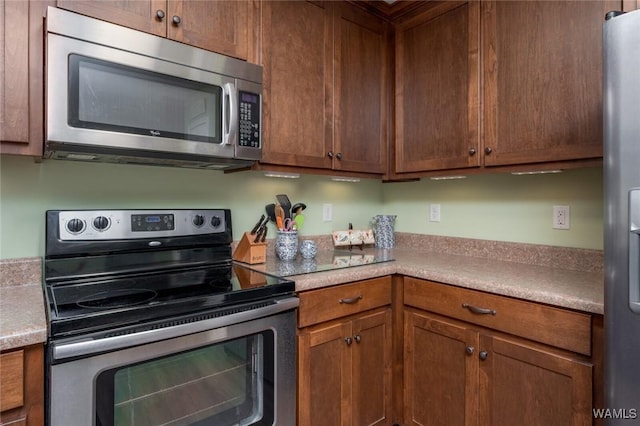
x: 114, y: 94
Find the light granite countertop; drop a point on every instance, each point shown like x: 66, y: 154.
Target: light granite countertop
x: 22, y: 316
x: 579, y: 290
x: 22, y: 306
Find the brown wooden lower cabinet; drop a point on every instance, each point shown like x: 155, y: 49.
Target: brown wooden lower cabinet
x: 344, y: 354
x: 458, y: 374
x: 463, y: 357
x: 22, y: 387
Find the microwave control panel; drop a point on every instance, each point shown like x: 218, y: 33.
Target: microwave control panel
x: 249, y: 119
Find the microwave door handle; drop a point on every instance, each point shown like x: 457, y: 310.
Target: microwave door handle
x: 230, y: 114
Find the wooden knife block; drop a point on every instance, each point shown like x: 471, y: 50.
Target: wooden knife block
x: 249, y: 252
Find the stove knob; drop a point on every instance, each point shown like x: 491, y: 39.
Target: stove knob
x: 101, y: 223
x: 75, y: 226
x: 198, y: 220
x: 215, y: 221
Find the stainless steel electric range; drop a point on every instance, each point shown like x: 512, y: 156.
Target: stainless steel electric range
x: 150, y: 322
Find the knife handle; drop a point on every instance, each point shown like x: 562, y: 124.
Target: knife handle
x: 255, y: 228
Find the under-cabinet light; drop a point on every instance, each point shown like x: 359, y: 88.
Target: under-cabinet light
x: 344, y: 179
x: 282, y: 175
x: 536, y: 172
x: 447, y: 177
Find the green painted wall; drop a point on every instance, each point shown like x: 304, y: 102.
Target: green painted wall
x: 495, y: 207
x: 504, y: 207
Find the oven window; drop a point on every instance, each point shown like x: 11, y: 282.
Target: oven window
x: 120, y: 98
x: 228, y: 383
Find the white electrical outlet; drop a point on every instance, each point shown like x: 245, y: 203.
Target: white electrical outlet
x: 561, y: 217
x: 327, y: 212
x: 434, y: 213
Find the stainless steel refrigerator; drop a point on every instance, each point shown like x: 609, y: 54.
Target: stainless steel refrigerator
x: 622, y: 218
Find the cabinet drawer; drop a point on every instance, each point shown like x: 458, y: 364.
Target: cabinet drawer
x: 546, y: 324
x: 334, y: 302
x: 11, y: 380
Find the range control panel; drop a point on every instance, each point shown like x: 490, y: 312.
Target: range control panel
x: 127, y: 224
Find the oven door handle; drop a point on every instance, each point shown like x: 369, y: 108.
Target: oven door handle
x: 74, y: 349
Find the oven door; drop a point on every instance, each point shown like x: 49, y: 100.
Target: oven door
x: 240, y: 374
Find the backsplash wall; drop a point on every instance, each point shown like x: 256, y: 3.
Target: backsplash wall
x: 494, y: 207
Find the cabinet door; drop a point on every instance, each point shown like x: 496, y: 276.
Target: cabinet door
x: 529, y: 385
x: 140, y: 14
x: 297, y: 92
x: 542, y: 80
x: 220, y: 26
x: 437, y: 89
x: 440, y: 371
x: 324, y: 375
x: 21, y: 77
x: 360, y: 90
x: 372, y: 369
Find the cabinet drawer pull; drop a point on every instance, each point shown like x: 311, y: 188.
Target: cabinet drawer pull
x: 479, y: 311
x: 351, y: 300
x: 348, y: 340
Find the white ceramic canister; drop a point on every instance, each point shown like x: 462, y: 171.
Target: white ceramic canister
x: 383, y: 228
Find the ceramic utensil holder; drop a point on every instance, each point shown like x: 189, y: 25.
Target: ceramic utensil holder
x: 286, y: 245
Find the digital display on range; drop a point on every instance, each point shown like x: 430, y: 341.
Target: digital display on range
x: 152, y: 222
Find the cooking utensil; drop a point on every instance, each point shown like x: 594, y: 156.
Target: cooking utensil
x: 289, y: 225
x: 255, y: 228
x: 283, y: 200
x: 271, y: 212
x: 296, y: 213
x: 280, y: 216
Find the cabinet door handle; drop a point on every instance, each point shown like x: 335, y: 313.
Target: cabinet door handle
x: 470, y: 350
x: 349, y: 340
x: 483, y: 355
x: 351, y: 300
x: 479, y: 311
x: 330, y: 154
x: 160, y: 14
x: 357, y: 338
x: 472, y: 152
x: 176, y: 20
x: 339, y: 156
x: 488, y: 150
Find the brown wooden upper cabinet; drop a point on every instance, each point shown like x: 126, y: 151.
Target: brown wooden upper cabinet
x: 499, y: 83
x: 219, y: 26
x: 542, y: 66
x: 21, y: 79
x: 437, y: 90
x: 325, y: 87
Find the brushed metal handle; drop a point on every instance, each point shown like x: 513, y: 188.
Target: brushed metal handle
x: 483, y: 355
x: 479, y: 311
x: 160, y: 14
x: 351, y: 300
x: 470, y: 350
x: 357, y: 338
x: 488, y: 150
x: 330, y: 154
x: 472, y: 152
x: 339, y: 156
x: 349, y: 340
x: 176, y: 20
